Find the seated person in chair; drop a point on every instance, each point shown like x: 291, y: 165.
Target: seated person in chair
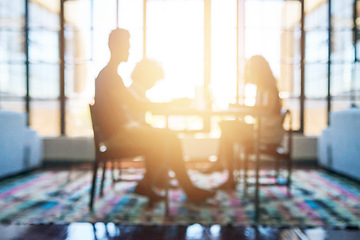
x: 257, y: 72
x: 116, y: 106
x: 145, y: 75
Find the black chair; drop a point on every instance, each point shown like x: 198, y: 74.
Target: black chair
x: 104, y: 155
x: 278, y: 155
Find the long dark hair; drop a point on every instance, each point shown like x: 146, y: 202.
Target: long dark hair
x: 260, y: 74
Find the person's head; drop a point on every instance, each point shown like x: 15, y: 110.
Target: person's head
x: 147, y: 72
x: 258, y: 72
x: 119, y: 45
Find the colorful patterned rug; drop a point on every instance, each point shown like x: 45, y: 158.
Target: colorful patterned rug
x: 44, y: 197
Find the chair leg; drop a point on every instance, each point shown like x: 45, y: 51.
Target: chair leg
x: 277, y: 169
x: 116, y: 165
x: 69, y: 174
x: 112, y: 171
x: 93, y: 185
x: 119, y: 167
x: 237, y: 165
x: 103, y: 180
x: 241, y: 165
x: 167, y: 211
x: 245, y: 175
x: 167, y: 180
x: 289, y: 175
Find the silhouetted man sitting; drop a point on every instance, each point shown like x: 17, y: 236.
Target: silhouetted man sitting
x: 116, y: 104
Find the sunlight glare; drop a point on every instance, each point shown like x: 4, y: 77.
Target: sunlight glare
x: 250, y: 94
x: 177, y: 43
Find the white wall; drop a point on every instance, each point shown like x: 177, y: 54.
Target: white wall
x: 82, y: 148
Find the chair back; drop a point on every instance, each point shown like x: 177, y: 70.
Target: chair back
x: 98, y: 140
x: 287, y: 123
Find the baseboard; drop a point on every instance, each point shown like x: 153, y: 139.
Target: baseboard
x: 20, y: 173
x: 82, y: 148
x: 340, y: 174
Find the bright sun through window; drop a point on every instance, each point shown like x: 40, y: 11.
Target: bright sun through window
x: 175, y: 38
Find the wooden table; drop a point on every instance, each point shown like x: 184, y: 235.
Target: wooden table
x: 234, y: 112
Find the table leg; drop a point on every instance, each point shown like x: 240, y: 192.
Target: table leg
x: 167, y: 167
x: 257, y: 169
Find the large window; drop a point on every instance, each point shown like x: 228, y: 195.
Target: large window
x: 43, y: 35
x: 342, y: 57
x: 12, y: 55
x: 316, y: 69
x: 276, y: 35
x: 202, y: 45
x: 331, y: 61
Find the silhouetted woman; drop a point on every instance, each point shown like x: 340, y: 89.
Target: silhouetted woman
x: 257, y: 72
